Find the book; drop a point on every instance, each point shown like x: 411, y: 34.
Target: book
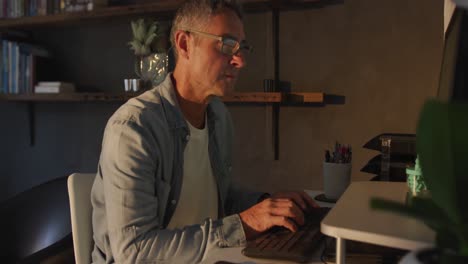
x: 48, y: 89
x: 5, y: 67
x: 56, y: 84
x: 54, y: 87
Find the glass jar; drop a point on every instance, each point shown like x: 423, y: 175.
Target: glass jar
x: 151, y: 69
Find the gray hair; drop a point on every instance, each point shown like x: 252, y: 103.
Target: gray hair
x: 195, y: 14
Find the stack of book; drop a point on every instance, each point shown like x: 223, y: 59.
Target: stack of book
x: 18, y: 66
x: 54, y: 87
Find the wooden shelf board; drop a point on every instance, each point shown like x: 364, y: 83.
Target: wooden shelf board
x: 260, y: 97
x: 157, y: 7
x: 67, y: 97
x: 254, y: 97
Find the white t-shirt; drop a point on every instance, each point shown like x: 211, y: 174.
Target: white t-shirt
x: 199, y: 195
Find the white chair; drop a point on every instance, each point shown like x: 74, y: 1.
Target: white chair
x: 79, y: 193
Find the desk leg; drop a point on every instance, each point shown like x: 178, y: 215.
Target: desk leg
x: 340, y: 250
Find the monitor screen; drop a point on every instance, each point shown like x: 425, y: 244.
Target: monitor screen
x: 453, y: 84
x: 460, y: 83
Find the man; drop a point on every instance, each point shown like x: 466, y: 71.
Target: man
x: 163, y: 190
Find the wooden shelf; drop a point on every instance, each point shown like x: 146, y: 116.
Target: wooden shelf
x: 68, y: 97
x: 162, y: 8
x: 255, y: 97
x: 259, y: 97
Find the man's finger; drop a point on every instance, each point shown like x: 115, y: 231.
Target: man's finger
x: 310, y: 202
x: 294, y: 196
x: 288, y: 209
x: 299, y: 200
x: 285, y: 222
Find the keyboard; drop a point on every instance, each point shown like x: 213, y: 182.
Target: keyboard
x: 280, y: 243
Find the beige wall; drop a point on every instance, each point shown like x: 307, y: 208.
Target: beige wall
x: 384, y: 56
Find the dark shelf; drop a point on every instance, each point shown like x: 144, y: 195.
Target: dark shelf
x: 274, y: 97
x: 246, y: 97
x: 162, y: 8
x: 67, y: 97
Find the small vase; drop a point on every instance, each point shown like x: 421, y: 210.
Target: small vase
x: 151, y: 69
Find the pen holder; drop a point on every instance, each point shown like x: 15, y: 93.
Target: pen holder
x: 336, y: 178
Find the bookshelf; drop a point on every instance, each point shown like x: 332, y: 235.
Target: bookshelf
x: 164, y: 9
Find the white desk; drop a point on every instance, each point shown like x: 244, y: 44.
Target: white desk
x: 352, y: 218
x: 235, y: 255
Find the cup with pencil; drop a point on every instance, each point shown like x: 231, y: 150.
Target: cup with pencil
x: 336, y: 172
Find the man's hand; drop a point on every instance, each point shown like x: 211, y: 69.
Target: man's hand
x: 300, y: 198
x: 281, y: 209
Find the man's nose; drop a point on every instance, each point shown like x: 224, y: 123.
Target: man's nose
x: 238, y: 60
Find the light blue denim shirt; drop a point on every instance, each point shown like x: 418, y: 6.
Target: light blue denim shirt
x: 139, y: 179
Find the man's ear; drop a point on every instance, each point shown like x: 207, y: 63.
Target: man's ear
x: 182, y: 44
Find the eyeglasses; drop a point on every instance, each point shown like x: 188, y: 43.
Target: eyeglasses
x: 229, y: 46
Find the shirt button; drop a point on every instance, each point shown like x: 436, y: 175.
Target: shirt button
x: 173, y: 202
x: 187, y: 137
x: 230, y: 168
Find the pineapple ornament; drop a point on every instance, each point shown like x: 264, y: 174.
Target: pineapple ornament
x: 150, y: 67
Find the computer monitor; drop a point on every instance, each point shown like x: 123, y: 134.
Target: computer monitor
x: 453, y: 84
x: 460, y: 84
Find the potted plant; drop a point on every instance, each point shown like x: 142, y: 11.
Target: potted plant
x: 151, y: 59
x: 442, y: 146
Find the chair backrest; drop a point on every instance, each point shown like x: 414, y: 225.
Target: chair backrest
x: 36, y: 224
x: 79, y: 192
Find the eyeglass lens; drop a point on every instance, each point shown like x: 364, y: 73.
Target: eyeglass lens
x: 230, y: 46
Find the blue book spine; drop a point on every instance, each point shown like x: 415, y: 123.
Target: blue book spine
x: 21, y: 73
x: 29, y: 67
x: 1, y: 65
x: 5, y: 66
x: 34, y: 10
x: 10, y: 90
x: 17, y: 68
x: 13, y: 68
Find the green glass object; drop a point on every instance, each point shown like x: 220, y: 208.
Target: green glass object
x: 415, y: 179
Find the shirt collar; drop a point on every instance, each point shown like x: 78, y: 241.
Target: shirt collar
x: 171, y: 106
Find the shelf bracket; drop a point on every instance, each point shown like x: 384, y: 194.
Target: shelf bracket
x: 276, y: 106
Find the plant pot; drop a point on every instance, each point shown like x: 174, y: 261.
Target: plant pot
x: 432, y: 256
x: 151, y: 69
